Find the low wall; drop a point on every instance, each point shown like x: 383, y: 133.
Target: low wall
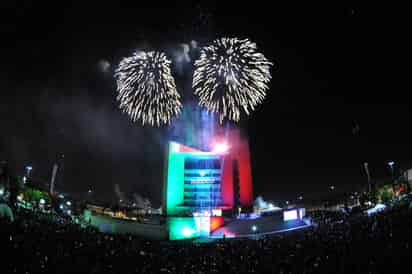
x: 108, y: 224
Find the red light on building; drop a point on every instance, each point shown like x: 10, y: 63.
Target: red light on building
x: 216, y: 222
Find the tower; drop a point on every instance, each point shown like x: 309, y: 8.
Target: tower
x: 207, y: 180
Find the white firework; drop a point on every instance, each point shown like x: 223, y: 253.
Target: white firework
x: 146, y: 88
x: 231, y: 75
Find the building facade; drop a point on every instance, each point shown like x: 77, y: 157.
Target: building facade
x: 213, y: 181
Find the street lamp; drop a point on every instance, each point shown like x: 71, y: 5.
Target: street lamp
x: 391, y: 164
x: 28, y: 170
x: 254, y: 229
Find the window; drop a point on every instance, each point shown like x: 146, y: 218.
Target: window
x: 202, y: 163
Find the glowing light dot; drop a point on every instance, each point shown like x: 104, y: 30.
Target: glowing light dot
x: 187, y: 231
x: 220, y: 148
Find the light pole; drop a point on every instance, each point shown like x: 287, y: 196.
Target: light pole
x: 28, y: 171
x: 89, y: 194
x: 366, y: 166
x: 391, y: 164
x: 254, y: 229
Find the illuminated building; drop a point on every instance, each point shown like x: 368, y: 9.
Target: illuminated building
x: 202, y: 182
x: 208, y: 180
x: 207, y: 173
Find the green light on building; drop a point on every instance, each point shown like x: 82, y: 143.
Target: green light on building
x: 182, y: 228
x: 175, y: 178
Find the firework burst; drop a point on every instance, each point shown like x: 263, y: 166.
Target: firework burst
x: 146, y: 88
x: 231, y: 75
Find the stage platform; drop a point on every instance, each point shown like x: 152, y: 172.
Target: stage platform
x: 263, y: 226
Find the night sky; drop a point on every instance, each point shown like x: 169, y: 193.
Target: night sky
x: 336, y: 67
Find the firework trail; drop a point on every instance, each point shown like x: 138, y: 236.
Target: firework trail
x: 146, y: 88
x: 231, y: 75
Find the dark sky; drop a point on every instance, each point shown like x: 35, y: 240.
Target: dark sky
x: 335, y: 65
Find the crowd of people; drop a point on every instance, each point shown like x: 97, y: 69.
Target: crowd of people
x: 37, y: 243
